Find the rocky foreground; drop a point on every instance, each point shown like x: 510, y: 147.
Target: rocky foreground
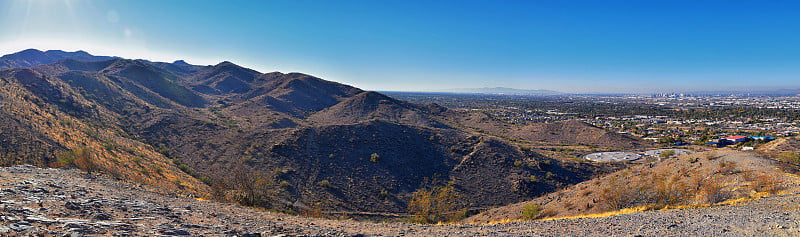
x: 52, y: 202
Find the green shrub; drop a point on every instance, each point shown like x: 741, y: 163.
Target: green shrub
x: 667, y: 153
x: 530, y: 211
x: 324, y: 183
x: 518, y: 163
x: 546, y: 162
x: 186, y: 169
x: 549, y: 175
x: 66, y: 158
x: 80, y: 158
x: 374, y: 158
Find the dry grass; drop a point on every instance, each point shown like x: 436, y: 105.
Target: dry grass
x: 502, y: 221
x: 722, y: 178
x: 753, y: 196
x: 767, y: 183
x: 606, y: 214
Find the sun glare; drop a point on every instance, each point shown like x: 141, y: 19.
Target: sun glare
x: 71, y: 25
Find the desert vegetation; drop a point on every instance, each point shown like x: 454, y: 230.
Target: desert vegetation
x: 696, y: 180
x: 245, y: 187
x: 531, y: 211
x: 79, y: 158
x: 666, y: 186
x: 434, y: 205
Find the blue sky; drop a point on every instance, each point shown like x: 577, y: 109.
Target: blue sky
x: 571, y: 46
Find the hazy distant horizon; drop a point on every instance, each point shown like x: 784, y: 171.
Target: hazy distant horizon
x: 567, y: 90
x: 570, y: 46
x: 640, y: 92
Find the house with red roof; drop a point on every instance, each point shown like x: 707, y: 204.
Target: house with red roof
x: 736, y: 139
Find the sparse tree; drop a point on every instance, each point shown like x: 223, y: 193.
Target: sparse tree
x: 433, y: 205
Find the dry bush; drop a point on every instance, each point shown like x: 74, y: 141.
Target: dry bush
x: 80, y: 158
x: 767, y: 183
x: 668, y: 186
x: 727, y: 167
x: 619, y: 195
x: 315, y: 211
x: 547, y: 213
x: 242, y: 185
x: 790, y: 157
x: 659, y: 188
x: 712, y: 190
x: 433, y: 205
x: 668, y: 189
x: 748, y: 176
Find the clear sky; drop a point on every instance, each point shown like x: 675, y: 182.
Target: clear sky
x: 570, y: 46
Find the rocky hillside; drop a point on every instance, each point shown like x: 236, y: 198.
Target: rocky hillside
x: 48, y: 120
x: 574, y: 132
x: 781, y: 145
x: 692, y: 180
x: 559, y: 133
x: 294, y: 142
x: 58, y: 202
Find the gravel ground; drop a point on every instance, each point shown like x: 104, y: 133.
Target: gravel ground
x: 59, y: 202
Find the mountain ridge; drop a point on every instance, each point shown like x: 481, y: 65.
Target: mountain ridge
x: 33, y: 57
x: 189, y: 128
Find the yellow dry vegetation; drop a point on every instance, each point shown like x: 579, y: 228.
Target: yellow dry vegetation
x: 753, y: 196
x: 695, y: 181
x: 130, y: 160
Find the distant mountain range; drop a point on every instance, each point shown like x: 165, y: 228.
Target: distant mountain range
x: 32, y: 57
x: 502, y: 91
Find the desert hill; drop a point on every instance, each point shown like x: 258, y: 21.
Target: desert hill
x: 48, y: 120
x: 781, y: 145
x: 294, y: 142
x: 568, y: 132
x: 698, y: 180
x: 372, y: 105
x: 574, y: 132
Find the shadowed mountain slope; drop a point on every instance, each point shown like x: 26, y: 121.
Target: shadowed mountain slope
x: 287, y: 141
x: 372, y: 105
